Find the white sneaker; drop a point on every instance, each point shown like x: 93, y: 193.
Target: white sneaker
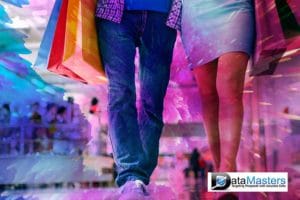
x: 133, y: 190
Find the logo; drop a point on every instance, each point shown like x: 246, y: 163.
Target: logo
x: 220, y: 181
x: 248, y: 182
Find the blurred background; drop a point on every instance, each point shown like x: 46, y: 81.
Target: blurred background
x: 53, y: 131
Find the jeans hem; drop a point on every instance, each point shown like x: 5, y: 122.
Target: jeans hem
x: 132, y: 178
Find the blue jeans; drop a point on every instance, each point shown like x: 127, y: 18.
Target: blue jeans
x: 135, y: 134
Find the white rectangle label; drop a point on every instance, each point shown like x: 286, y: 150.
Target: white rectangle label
x: 248, y: 182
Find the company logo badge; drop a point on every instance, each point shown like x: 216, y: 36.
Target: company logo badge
x: 220, y: 181
x: 248, y: 182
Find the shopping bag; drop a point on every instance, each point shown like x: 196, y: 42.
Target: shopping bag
x: 74, y: 50
x: 270, y: 41
x: 295, y: 7
x: 57, y: 49
x: 45, y: 46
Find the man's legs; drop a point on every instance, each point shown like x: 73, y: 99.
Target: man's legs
x: 117, y: 44
x: 156, y: 50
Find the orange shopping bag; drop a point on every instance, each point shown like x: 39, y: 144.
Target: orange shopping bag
x: 74, y: 51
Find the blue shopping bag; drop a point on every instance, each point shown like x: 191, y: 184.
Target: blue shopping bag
x: 4, y: 18
x: 18, y: 3
x: 46, y: 44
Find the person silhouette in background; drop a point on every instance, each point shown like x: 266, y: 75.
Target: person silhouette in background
x: 5, y: 114
x: 94, y: 118
x: 35, y: 115
x: 194, y: 163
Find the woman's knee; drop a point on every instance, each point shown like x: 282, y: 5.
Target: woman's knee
x: 230, y: 93
x: 230, y: 88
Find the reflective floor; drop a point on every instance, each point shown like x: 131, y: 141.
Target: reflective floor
x: 191, y: 190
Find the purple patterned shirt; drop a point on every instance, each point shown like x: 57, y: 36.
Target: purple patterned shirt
x: 113, y: 10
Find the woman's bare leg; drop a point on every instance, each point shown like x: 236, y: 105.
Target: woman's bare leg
x: 230, y: 84
x: 206, y: 80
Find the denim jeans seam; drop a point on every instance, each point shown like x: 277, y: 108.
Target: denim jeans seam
x: 144, y: 17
